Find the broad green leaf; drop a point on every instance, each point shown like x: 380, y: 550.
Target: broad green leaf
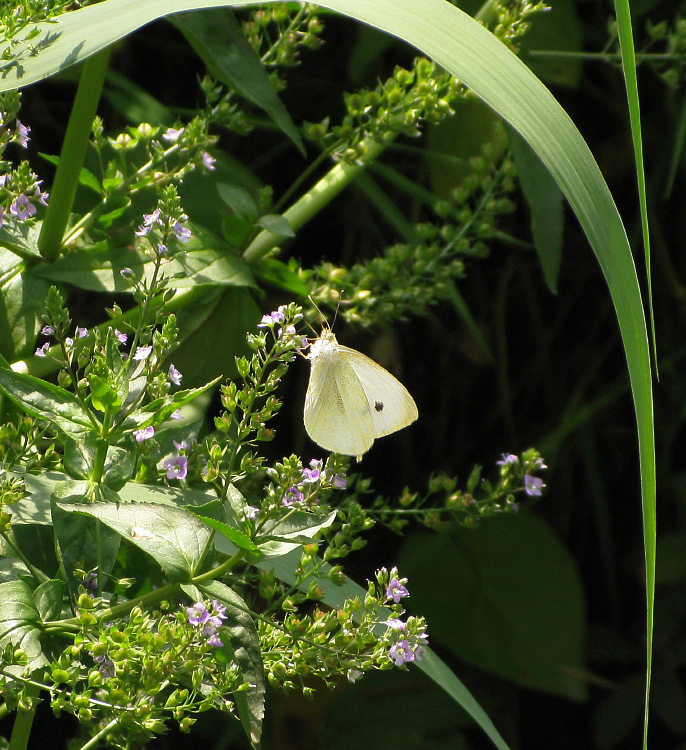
x: 35, y: 508
x: 82, y: 542
x: 280, y: 275
x: 146, y: 493
x: 19, y: 624
x: 245, y: 649
x: 217, y: 37
x: 174, y: 538
x: 50, y: 402
x: 211, y: 262
x: 239, y: 200
x: 515, y: 603
x: 22, y: 297
x: 49, y: 599
x: 276, y: 224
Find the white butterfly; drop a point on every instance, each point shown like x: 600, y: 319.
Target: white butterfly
x: 351, y: 400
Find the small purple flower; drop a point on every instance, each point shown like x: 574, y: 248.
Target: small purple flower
x: 538, y: 464
x: 251, y: 512
x: 69, y: 341
x: 208, y: 161
x: 339, y: 482
x: 177, y: 467
x: 507, y: 459
x: 43, y: 350
x: 105, y: 665
x: 162, y: 250
x: 401, y: 653
x: 310, y: 476
x: 142, y: 352
x: 182, y: 233
x: 198, y: 614
x: 90, y: 582
x: 181, y: 445
x: 149, y: 220
x: 214, y: 640
x: 172, y: 134
x: 81, y: 333
x: 145, y: 433
x: 175, y: 414
x: 47, y: 330
x: 396, y: 589
x: 269, y: 320
x: 41, y: 196
x: 23, y: 134
x: 533, y: 485
x: 22, y: 208
x: 126, y: 273
x: 293, y: 495
x: 122, y: 338
x: 174, y: 375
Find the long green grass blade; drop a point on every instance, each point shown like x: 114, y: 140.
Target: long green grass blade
x: 626, y: 44
x: 470, y: 52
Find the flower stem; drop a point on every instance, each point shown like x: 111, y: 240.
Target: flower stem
x: 73, y: 154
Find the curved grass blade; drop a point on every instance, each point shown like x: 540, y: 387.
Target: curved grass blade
x: 470, y: 52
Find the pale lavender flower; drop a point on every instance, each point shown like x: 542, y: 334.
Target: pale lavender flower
x: 22, y: 208
x: 197, y: 614
x: 142, y: 352
x: 105, y: 665
x: 251, y: 512
x: 533, y: 485
x: 177, y: 467
x: 401, y: 653
x: 145, y: 433
x: 339, y: 482
x: 175, y: 414
x: 81, y: 333
x: 40, y: 195
x: 149, y: 220
x: 172, y: 134
x: 182, y: 233
x: 43, y: 350
x: 122, y: 338
x: 208, y: 161
x: 162, y: 250
x: 47, y: 330
x: 174, y: 375
x: 23, y: 134
x: 397, y: 590
x: 293, y: 495
x: 312, y: 475
x: 507, y: 459
x: 395, y: 623
x: 269, y: 320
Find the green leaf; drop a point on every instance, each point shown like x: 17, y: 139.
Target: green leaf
x: 19, y: 624
x: 173, y: 537
x: 22, y: 298
x: 280, y: 275
x: 35, y: 509
x: 216, y: 36
x: 204, y: 260
x: 241, y: 540
x: 49, y: 599
x: 239, y: 200
x: 86, y: 177
x: 82, y: 543
x: 515, y: 606
x: 245, y: 648
x: 547, y: 212
x: 276, y: 224
x: 39, y: 398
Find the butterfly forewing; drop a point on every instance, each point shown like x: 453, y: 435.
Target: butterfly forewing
x: 336, y: 409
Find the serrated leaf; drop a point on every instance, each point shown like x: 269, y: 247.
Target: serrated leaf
x: 39, y: 398
x: 245, y: 644
x: 173, y: 537
x: 19, y: 623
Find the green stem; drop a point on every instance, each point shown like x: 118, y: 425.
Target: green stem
x: 73, y: 154
x: 21, y: 731
x: 338, y: 178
